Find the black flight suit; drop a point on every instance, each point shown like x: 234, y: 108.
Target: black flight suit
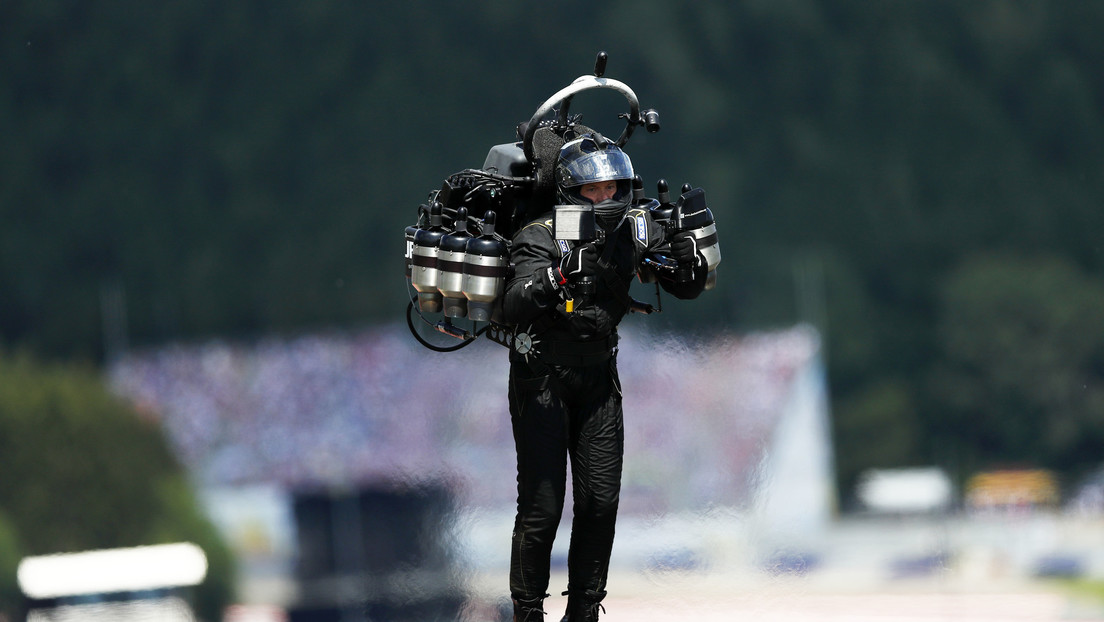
x: 565, y: 399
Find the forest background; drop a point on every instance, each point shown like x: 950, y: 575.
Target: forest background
x: 922, y: 181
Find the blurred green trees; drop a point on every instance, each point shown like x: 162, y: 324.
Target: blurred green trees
x: 10, y: 596
x: 185, y: 170
x: 1021, y: 376
x: 82, y: 470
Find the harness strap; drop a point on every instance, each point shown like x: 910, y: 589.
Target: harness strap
x: 565, y: 354
x: 576, y: 353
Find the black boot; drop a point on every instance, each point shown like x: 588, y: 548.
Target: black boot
x: 529, y: 609
x: 583, y: 607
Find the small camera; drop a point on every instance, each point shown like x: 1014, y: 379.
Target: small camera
x: 574, y: 222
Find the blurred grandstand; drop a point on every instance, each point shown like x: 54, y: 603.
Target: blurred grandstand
x: 360, y: 409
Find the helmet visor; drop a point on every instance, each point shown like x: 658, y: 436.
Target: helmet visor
x: 584, y: 166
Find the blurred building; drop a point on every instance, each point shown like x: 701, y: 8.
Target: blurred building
x: 906, y: 491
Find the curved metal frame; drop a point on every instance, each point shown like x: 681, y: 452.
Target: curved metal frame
x: 582, y: 83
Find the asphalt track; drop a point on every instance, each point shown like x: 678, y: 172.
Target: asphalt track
x: 914, y: 607
x: 638, y: 598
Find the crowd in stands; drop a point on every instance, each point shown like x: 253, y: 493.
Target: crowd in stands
x: 372, y: 406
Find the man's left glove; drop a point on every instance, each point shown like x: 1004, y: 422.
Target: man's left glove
x: 684, y: 248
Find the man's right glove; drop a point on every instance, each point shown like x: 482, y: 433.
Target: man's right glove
x: 581, y: 262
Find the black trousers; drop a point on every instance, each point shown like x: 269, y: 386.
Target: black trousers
x: 566, y: 412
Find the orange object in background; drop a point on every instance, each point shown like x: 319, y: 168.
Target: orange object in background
x: 1010, y: 489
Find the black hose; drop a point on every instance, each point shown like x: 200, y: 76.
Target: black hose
x: 467, y: 340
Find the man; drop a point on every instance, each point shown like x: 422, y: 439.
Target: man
x: 566, y: 300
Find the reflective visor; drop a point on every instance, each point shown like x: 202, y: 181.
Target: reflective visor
x: 603, y: 165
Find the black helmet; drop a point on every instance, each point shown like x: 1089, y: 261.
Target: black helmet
x: 591, y: 159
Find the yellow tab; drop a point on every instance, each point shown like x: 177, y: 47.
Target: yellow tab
x: 569, y: 306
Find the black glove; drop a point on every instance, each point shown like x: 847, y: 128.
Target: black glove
x: 581, y: 262
x: 684, y: 248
